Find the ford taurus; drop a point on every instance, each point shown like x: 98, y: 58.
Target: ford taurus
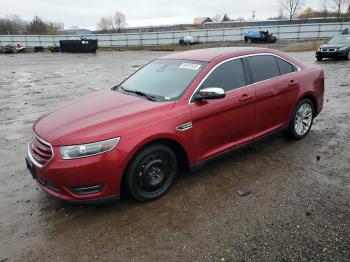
x: 178, y: 111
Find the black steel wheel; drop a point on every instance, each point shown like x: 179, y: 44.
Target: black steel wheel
x: 151, y: 172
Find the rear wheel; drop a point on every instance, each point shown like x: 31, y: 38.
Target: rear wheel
x: 151, y: 172
x: 302, y: 120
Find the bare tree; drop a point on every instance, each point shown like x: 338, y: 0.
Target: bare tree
x: 241, y: 21
x: 105, y: 23
x: 38, y: 26
x: 307, y: 13
x: 324, y: 7
x: 338, y: 6
x: 119, y: 20
x: 217, y: 18
x: 14, y: 25
x: 225, y: 18
x: 253, y: 15
x: 291, y: 7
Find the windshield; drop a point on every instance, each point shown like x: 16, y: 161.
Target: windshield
x: 340, y: 40
x: 166, y: 80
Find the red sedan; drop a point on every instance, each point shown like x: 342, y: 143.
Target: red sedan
x: 178, y: 111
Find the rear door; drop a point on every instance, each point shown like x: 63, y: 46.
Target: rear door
x: 275, y: 88
x: 224, y: 123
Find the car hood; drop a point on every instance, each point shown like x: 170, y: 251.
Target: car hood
x: 98, y: 116
x: 333, y: 46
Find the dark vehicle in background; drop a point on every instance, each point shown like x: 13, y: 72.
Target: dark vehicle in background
x: 337, y: 47
x: 189, y: 40
x: 20, y: 49
x: 79, y: 46
x: 346, y: 31
x: 9, y: 49
x: 54, y: 48
x: 259, y: 37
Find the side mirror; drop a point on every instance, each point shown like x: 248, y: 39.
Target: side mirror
x: 209, y: 93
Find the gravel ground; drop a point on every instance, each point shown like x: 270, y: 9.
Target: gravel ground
x: 298, y: 208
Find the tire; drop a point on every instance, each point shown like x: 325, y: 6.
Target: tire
x: 250, y: 41
x: 151, y: 172
x: 301, y: 121
x: 348, y: 56
x: 318, y: 58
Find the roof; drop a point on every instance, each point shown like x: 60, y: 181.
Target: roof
x: 209, y: 54
x: 201, y: 20
x: 75, y: 31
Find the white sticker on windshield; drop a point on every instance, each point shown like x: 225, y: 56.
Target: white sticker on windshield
x: 190, y: 66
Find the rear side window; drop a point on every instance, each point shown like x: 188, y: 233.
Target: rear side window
x: 284, y: 66
x: 263, y: 67
x: 230, y: 75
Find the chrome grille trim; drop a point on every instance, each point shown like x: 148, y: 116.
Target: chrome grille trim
x: 31, y: 154
x: 328, y: 49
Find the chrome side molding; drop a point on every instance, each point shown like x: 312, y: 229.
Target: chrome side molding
x: 184, y: 127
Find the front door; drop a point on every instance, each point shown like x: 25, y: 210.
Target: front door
x: 221, y: 124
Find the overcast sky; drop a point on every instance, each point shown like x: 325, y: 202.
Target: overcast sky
x: 86, y: 13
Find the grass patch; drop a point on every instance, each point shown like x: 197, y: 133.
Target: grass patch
x: 304, y: 46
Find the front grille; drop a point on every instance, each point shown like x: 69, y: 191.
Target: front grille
x: 328, y: 49
x: 40, y: 150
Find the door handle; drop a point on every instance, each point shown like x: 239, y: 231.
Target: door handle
x: 245, y: 97
x: 292, y: 83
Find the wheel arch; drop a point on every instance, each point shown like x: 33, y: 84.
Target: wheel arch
x: 312, y: 98
x: 182, y: 156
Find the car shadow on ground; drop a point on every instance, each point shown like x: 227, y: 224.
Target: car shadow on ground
x: 214, y: 170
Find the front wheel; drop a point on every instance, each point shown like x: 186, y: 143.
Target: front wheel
x: 319, y: 58
x: 302, y: 120
x: 348, y: 56
x: 151, y: 172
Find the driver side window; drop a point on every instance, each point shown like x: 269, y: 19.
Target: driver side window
x: 228, y: 76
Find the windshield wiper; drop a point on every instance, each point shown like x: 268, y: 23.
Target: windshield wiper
x: 139, y: 93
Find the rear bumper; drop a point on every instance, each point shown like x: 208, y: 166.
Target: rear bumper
x: 331, y: 54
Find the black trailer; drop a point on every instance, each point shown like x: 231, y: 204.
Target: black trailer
x: 79, y: 46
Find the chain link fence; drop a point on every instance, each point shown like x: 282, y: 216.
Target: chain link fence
x: 299, y: 31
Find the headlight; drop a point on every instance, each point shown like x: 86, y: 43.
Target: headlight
x: 343, y: 48
x: 91, y: 149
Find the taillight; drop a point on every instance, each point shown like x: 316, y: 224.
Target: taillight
x: 319, y: 83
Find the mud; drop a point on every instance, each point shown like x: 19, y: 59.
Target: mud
x: 298, y: 208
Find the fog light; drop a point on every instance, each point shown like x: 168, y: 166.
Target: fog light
x: 87, y: 190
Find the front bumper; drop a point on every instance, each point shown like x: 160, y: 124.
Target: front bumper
x: 84, y: 180
x: 336, y: 54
